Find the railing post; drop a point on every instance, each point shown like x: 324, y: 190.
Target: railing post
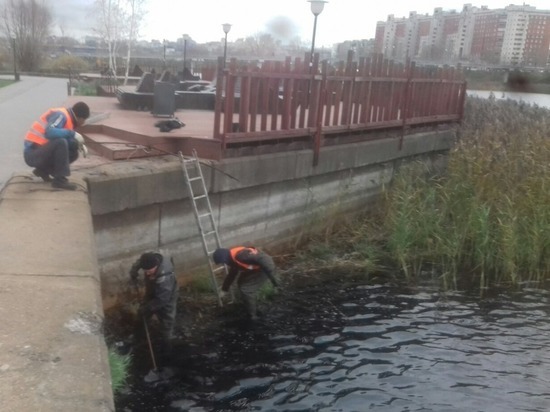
x: 321, y: 98
x: 409, y: 68
x: 218, y: 104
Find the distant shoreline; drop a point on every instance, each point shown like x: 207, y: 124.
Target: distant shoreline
x: 504, y: 87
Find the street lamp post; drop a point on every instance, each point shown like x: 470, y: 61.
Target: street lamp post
x: 164, y: 54
x: 15, y: 74
x: 226, y: 27
x: 316, y: 8
x: 184, y: 53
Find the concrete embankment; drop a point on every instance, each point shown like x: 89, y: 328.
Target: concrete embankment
x: 64, y: 254
x: 269, y: 200
x: 52, y: 351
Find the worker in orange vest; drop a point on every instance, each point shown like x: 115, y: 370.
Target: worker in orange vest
x: 253, y: 268
x: 52, y: 144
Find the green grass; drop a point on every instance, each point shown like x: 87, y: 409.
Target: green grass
x: 120, y: 365
x: 4, y: 82
x: 85, y: 89
x: 200, y: 282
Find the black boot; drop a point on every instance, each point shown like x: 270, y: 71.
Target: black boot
x: 42, y: 174
x: 63, y: 183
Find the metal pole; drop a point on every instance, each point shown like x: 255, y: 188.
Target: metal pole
x: 184, y: 55
x: 164, y: 55
x: 225, y: 51
x: 313, y: 40
x: 15, y: 74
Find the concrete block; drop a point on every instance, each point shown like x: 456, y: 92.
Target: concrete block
x: 142, y: 183
x: 53, y: 353
x: 37, y: 245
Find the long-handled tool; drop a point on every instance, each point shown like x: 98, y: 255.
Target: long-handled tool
x: 153, y: 374
x: 149, y: 343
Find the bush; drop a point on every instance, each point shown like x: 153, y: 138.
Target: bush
x: 68, y: 64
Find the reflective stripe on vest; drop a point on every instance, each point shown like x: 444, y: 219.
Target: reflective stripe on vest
x: 37, y: 133
x: 246, y: 266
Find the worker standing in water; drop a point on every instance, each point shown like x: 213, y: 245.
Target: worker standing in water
x: 253, y: 268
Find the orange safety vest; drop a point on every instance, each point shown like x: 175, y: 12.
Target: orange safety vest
x: 246, y: 266
x: 37, y: 132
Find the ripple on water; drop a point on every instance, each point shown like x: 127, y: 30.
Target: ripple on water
x: 375, y: 348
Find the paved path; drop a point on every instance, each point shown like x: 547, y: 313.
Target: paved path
x: 53, y: 355
x: 20, y: 104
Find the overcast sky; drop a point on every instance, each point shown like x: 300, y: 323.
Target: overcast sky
x: 202, y: 19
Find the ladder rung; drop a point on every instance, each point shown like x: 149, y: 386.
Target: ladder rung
x: 212, y: 232
x: 192, y: 179
x: 218, y: 269
x: 204, y: 215
x: 199, y: 197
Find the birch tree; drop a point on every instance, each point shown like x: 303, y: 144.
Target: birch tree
x: 118, y: 23
x: 135, y: 12
x: 110, y: 27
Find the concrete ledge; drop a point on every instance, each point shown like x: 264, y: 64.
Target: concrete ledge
x: 53, y: 355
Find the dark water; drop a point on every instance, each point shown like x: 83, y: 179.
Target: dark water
x: 366, y: 348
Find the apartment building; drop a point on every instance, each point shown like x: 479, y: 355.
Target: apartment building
x: 514, y: 35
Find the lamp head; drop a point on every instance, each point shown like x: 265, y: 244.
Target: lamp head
x: 226, y: 27
x: 317, y: 6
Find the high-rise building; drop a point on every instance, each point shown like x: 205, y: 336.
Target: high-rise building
x: 514, y: 35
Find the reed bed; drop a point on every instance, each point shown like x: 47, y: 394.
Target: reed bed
x: 486, y: 220
x: 489, y: 216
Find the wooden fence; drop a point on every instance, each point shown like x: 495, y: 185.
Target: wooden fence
x: 279, y: 100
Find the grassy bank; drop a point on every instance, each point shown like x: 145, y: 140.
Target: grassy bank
x: 486, y: 221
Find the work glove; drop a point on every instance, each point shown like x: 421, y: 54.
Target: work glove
x: 81, y: 146
x: 79, y: 138
x: 222, y: 293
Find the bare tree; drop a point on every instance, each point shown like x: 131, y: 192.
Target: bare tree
x: 261, y: 45
x: 118, y: 23
x: 110, y: 27
x: 136, y: 12
x: 28, y: 22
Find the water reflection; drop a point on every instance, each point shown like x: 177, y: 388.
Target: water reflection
x: 359, y: 348
x: 540, y: 99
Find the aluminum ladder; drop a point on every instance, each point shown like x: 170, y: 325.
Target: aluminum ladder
x: 198, y: 193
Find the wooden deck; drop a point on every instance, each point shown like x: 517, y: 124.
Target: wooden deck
x: 116, y: 133
x: 284, y: 106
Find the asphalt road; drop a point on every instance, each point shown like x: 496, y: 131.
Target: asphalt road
x: 20, y: 104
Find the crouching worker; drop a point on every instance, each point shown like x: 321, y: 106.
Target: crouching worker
x: 161, y: 295
x: 52, y: 144
x: 253, y: 268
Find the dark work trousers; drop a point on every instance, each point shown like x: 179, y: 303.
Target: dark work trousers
x: 249, y: 286
x: 53, y: 158
x: 162, y: 334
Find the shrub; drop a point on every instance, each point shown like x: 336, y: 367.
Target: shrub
x: 68, y: 64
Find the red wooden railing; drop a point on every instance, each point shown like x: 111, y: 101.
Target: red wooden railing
x: 283, y: 100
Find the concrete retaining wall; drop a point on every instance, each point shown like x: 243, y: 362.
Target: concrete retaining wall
x: 268, y: 200
x: 53, y: 355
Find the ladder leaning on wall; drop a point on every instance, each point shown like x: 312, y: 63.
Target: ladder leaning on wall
x: 198, y: 193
